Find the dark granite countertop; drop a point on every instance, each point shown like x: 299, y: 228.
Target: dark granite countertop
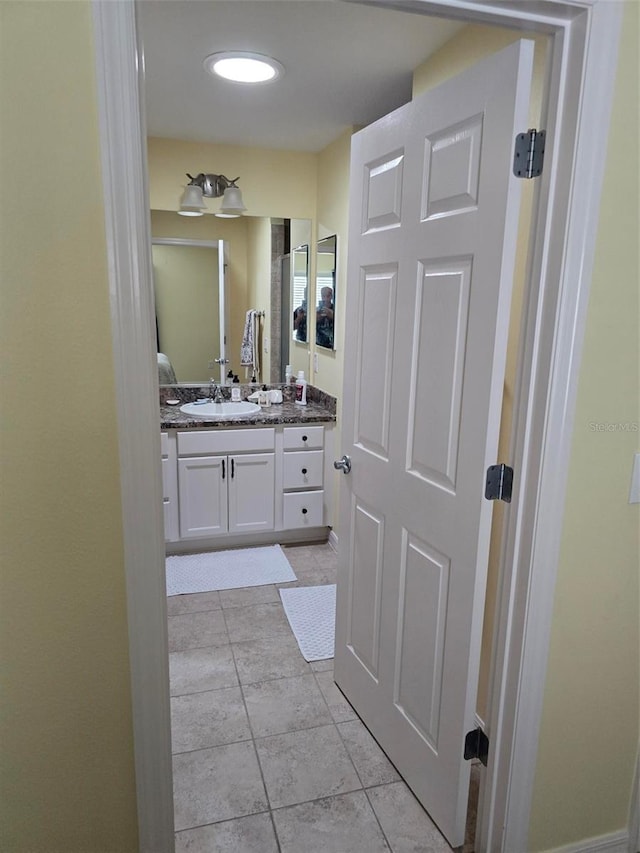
x: 321, y: 407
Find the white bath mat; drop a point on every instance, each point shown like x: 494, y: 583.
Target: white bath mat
x: 311, y: 611
x: 227, y: 570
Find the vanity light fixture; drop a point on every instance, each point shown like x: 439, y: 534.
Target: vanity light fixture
x: 211, y: 186
x: 241, y: 66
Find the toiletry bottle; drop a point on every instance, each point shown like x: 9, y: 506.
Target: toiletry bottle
x: 235, y: 390
x: 301, y: 389
x: 264, y: 399
x: 288, y: 374
x: 230, y: 377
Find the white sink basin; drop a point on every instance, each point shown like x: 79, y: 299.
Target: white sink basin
x: 219, y: 410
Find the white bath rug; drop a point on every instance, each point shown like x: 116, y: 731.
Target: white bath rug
x: 227, y: 570
x: 311, y: 611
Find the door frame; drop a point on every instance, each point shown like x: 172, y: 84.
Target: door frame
x: 219, y: 245
x: 580, y: 82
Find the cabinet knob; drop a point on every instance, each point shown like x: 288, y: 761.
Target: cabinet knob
x: 304, y: 470
x: 304, y: 438
x: 304, y: 510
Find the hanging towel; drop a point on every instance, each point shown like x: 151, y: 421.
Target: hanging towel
x: 250, y: 343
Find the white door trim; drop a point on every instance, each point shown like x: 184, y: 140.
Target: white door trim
x: 582, y: 74
x: 124, y: 167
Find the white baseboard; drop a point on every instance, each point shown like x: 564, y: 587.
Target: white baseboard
x: 333, y: 540
x: 614, y: 842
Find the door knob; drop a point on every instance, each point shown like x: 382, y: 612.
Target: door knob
x: 343, y: 464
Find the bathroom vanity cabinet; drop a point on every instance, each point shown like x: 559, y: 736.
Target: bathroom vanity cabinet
x: 265, y: 481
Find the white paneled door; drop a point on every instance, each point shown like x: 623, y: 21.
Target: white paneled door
x: 433, y: 224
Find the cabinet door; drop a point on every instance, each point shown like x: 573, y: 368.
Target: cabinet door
x: 202, y: 488
x: 251, y: 492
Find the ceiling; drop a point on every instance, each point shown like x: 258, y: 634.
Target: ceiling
x: 345, y: 64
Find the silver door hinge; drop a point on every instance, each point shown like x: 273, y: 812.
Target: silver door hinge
x: 528, y: 153
x: 499, y: 485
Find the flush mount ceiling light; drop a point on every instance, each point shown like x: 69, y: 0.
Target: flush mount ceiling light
x: 241, y: 66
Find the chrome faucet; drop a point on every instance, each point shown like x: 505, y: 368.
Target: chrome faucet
x: 215, y: 394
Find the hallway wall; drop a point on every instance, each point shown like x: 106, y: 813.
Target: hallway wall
x: 67, y: 772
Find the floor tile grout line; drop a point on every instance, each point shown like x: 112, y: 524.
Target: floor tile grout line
x: 222, y: 820
x: 193, y: 648
x: 315, y: 675
x: 212, y: 746
x: 253, y: 737
x: 377, y: 819
x: 193, y: 612
x: 327, y: 797
x: 199, y: 692
x: 335, y: 723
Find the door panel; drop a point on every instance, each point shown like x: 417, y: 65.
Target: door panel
x: 424, y: 581
x: 432, y: 237
x: 452, y: 169
x: 437, y: 364
x: 365, y: 594
x: 375, y: 358
x: 382, y: 203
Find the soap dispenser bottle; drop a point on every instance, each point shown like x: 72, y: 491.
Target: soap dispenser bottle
x: 235, y: 390
x: 301, y: 389
x: 263, y: 397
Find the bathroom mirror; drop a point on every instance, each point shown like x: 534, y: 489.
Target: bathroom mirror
x: 325, y: 291
x: 300, y: 293
x: 252, y: 269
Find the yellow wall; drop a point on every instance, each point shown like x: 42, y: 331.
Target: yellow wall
x: 186, y: 289
x: 333, y: 218
x: 589, y: 736
x: 66, y: 739
x: 273, y: 183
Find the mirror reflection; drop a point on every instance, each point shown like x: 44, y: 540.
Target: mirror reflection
x: 325, y: 291
x: 300, y: 290
x: 188, y: 291
x: 202, y: 305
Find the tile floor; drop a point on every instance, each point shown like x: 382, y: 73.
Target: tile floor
x: 268, y: 755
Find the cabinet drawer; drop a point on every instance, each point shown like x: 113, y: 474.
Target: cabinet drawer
x: 303, y: 509
x: 199, y: 442
x: 302, y: 469
x: 304, y: 438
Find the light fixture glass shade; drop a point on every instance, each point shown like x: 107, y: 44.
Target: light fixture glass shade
x: 241, y: 66
x: 232, y: 204
x: 192, y: 202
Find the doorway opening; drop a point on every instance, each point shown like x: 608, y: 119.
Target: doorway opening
x: 575, y: 95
